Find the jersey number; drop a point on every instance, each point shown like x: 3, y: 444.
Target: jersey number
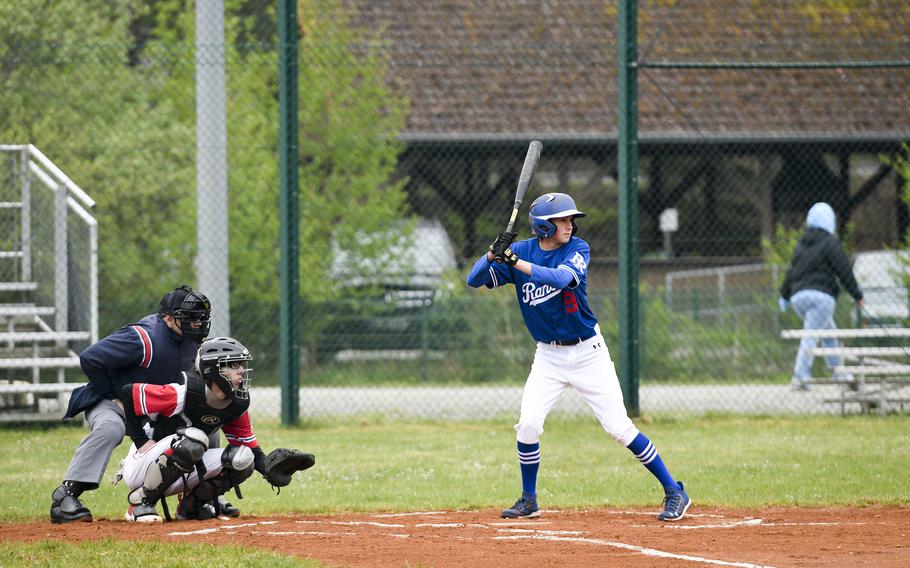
x: 568, y: 298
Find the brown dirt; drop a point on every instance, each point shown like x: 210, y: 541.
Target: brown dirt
x: 777, y: 536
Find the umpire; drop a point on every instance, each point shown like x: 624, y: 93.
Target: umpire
x: 153, y: 350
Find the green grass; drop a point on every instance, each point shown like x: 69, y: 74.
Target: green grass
x: 370, y: 464
x: 116, y: 554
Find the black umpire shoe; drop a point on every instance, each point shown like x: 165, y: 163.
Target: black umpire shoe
x: 66, y: 507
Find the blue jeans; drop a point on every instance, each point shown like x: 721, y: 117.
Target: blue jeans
x: 817, y: 312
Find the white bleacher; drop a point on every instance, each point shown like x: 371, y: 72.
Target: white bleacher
x: 48, y: 285
x: 881, y: 373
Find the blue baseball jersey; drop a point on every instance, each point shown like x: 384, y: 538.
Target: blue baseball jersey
x: 550, y: 313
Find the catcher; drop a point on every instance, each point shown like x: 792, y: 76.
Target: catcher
x: 170, y: 426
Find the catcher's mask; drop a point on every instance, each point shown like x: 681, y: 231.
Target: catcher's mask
x: 221, y: 359
x: 551, y: 206
x: 188, y: 307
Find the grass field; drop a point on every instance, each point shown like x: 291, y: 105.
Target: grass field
x: 370, y: 464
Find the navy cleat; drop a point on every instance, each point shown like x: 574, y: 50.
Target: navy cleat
x: 225, y: 508
x: 192, y: 508
x: 524, y: 507
x: 676, y: 503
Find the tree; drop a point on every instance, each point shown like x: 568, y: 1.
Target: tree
x: 106, y: 88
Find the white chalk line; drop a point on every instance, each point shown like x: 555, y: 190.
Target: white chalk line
x: 410, y: 514
x: 530, y: 533
x: 730, y: 525
x: 755, y: 523
x: 634, y: 548
x: 536, y: 531
x: 652, y: 514
x: 304, y: 533
x: 354, y: 523
x: 813, y: 524
x: 221, y: 528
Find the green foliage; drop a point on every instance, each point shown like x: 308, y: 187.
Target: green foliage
x: 901, y: 163
x: 107, y: 90
x: 779, y: 252
x: 702, y: 337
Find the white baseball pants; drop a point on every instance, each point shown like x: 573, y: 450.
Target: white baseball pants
x: 587, y: 368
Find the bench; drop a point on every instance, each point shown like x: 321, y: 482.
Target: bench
x: 881, y: 373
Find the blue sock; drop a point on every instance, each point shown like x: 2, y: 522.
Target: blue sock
x: 529, y: 459
x: 647, y: 454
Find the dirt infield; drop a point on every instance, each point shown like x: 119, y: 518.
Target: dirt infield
x: 869, y: 536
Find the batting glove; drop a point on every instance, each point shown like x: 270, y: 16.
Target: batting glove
x: 784, y: 304
x: 502, y: 242
x: 507, y: 257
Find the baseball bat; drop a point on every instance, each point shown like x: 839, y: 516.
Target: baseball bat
x: 524, y: 180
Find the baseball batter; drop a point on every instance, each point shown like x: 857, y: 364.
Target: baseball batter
x: 550, y: 275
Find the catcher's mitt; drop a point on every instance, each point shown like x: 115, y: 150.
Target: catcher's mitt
x: 281, y: 463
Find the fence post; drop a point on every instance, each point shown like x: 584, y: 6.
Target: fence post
x: 627, y: 152
x: 289, y: 270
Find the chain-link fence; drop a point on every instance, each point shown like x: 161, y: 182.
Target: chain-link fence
x: 414, y: 119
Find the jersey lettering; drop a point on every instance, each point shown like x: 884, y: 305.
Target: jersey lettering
x: 532, y: 295
x: 579, y: 262
x: 568, y: 298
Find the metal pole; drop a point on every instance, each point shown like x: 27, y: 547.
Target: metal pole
x: 627, y: 152
x: 211, y: 164
x: 26, y: 196
x: 289, y: 270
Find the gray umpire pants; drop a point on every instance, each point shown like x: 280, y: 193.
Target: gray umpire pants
x: 94, y: 451
x: 106, y: 422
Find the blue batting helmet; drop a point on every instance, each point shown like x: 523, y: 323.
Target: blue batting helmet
x: 550, y: 206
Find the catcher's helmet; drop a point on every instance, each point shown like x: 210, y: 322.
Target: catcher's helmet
x: 188, y: 307
x: 216, y: 356
x: 551, y: 206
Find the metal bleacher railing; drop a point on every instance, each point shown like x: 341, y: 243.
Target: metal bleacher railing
x: 48, y: 284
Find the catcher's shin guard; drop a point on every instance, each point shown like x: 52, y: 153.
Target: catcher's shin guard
x: 238, y: 460
x: 206, y: 501
x: 178, y: 460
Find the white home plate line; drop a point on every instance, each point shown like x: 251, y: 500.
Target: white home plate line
x: 754, y: 523
x: 641, y: 549
x: 368, y: 523
x: 411, y: 514
x: 535, y: 531
x: 812, y: 524
x: 440, y: 525
x: 305, y: 533
x: 353, y: 523
x: 221, y: 528
x: 520, y: 524
x: 188, y: 533
x: 652, y: 514
x: 746, y: 523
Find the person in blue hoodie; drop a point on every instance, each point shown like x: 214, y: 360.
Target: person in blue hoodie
x: 819, y: 269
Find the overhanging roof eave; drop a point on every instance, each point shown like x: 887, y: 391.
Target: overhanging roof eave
x: 653, y: 137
